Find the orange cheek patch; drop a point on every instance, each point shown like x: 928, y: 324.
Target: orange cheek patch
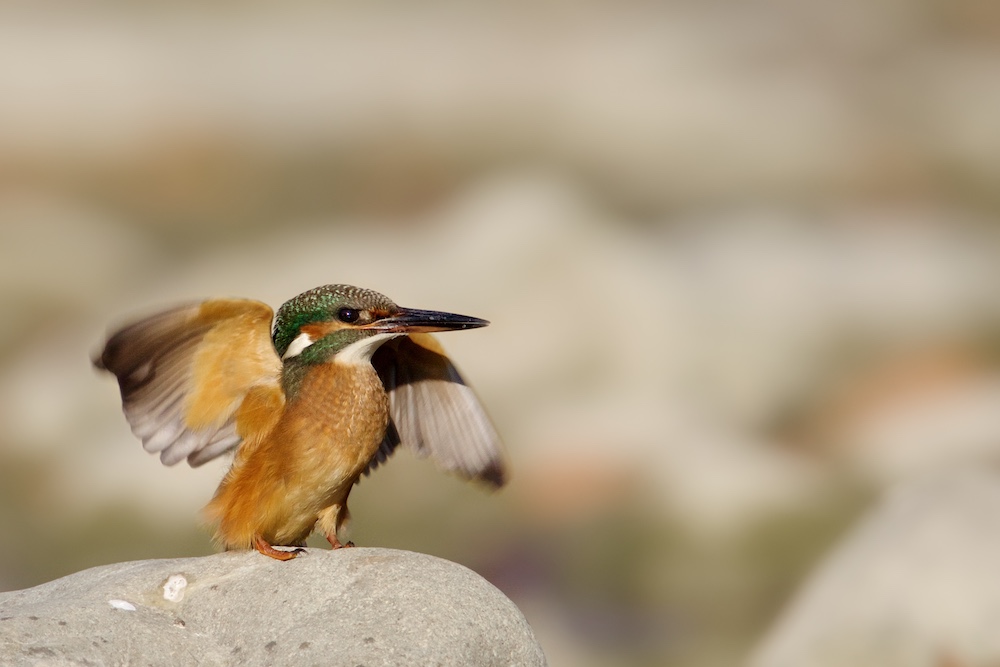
x: 318, y: 330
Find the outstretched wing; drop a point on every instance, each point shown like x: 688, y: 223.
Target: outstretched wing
x: 434, y: 412
x: 198, y: 379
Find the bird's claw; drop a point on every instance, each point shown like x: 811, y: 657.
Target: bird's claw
x: 277, y: 554
x: 336, y: 544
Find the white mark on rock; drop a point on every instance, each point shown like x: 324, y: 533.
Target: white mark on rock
x: 122, y: 604
x: 173, y: 590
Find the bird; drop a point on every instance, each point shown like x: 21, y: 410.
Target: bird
x: 342, y: 379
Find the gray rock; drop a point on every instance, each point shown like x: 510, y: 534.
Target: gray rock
x: 915, y: 585
x: 348, y: 607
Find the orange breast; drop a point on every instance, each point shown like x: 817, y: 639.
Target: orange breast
x: 321, y: 444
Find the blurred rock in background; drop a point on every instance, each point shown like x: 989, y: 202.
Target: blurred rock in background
x: 740, y: 258
x: 914, y: 584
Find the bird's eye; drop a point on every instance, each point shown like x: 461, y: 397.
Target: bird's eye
x: 348, y: 315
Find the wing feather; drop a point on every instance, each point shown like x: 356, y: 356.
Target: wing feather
x: 184, y: 373
x: 434, y: 412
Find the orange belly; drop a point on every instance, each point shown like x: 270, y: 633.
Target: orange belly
x: 308, y: 461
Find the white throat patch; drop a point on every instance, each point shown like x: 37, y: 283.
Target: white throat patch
x: 360, y: 352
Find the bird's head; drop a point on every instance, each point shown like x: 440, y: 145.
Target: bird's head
x: 346, y: 323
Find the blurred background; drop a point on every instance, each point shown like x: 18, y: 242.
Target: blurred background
x: 741, y: 260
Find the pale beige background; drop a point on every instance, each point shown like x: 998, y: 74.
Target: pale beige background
x: 741, y: 261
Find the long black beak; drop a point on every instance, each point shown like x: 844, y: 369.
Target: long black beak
x: 411, y: 320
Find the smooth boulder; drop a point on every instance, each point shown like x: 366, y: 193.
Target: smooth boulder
x: 348, y: 607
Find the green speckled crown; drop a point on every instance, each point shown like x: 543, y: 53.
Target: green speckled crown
x: 319, y: 304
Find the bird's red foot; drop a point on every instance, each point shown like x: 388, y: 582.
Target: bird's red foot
x: 335, y: 543
x: 277, y: 554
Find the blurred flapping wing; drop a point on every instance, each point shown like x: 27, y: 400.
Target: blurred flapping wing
x: 198, y: 379
x: 434, y: 412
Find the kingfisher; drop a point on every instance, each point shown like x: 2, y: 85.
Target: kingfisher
x: 308, y: 406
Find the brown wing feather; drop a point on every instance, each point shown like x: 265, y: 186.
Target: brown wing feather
x: 194, y: 378
x: 434, y: 412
